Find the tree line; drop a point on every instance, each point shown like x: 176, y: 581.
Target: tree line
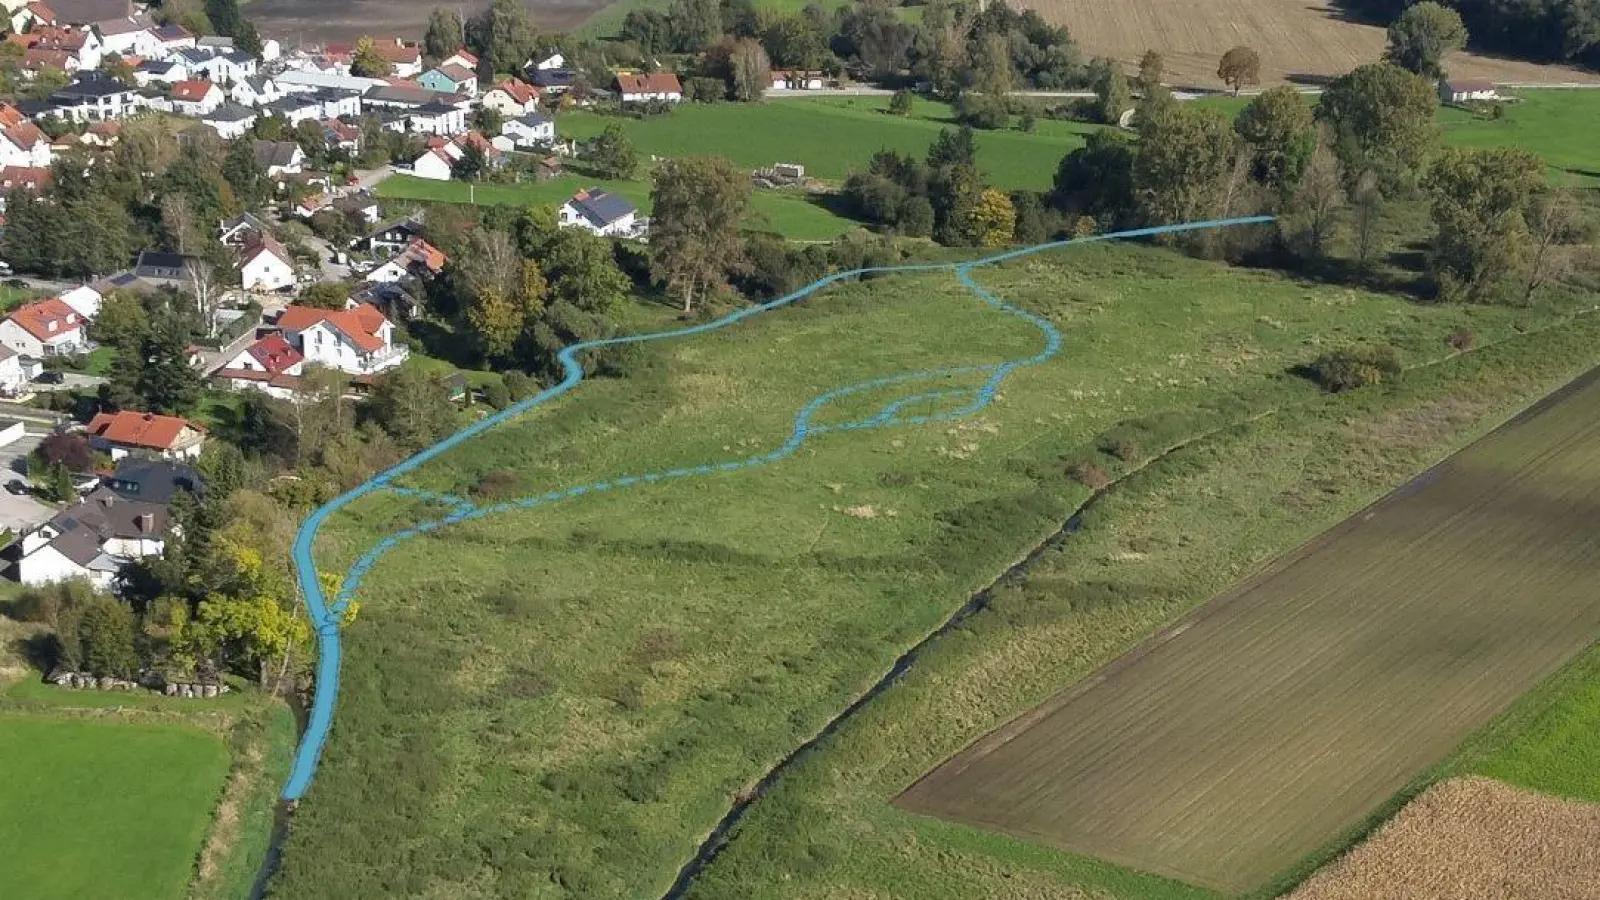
x: 1542, y: 30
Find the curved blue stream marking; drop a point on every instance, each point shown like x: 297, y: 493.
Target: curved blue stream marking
x: 326, y: 617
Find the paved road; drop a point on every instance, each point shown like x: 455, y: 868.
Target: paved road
x: 20, y: 512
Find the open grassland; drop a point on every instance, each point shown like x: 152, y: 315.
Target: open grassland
x: 1145, y: 553
x: 1250, y: 734
x: 575, y: 693
x: 1472, y: 839
x: 831, y: 136
x: 92, y: 808
x: 788, y: 213
x: 1305, y: 41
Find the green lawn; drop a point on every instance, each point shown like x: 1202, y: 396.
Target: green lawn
x: 1554, y: 123
x: 574, y: 694
x: 96, y: 809
x: 788, y: 213
x: 831, y: 136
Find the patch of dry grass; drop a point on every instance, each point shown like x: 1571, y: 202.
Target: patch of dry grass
x: 1472, y: 839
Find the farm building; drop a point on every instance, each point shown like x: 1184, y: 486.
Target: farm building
x: 1463, y: 90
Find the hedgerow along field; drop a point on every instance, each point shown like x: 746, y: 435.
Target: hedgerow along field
x: 90, y: 807
x: 1283, y: 712
x: 1302, y: 42
x: 575, y: 693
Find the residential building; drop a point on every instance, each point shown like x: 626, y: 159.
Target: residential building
x: 299, y: 80
x: 417, y: 260
x: 84, y: 299
x: 130, y: 433
x: 437, y: 118
x: 257, y: 90
x: 228, y: 67
x: 94, y: 96
x: 391, y: 238
x: 231, y: 120
x: 342, y: 135
x: 550, y: 59
x: 661, y: 86
x: 264, y: 265
x: 451, y: 79
x: 280, y: 157
x: 238, y: 231
x: 358, y: 340
x: 461, y: 58
x: 404, y: 58
x: 295, y: 108
x: 511, y: 98
x: 601, y: 212
x: 389, y: 297
x: 531, y: 130
x: 159, y: 266
x: 13, y: 380
x: 271, y: 365
x: 195, y: 98
x: 128, y: 36
x: 21, y: 141
x: 153, y: 480
x: 82, y: 46
x: 40, y: 59
x: 553, y: 81
x: 159, y: 71
x: 44, y: 328
x: 396, y: 96
x: 434, y: 164
x: 94, y: 540
x: 172, y: 37
x: 361, y: 205
x: 33, y: 179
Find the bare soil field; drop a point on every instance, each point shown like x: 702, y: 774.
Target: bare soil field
x: 310, y: 22
x: 1472, y: 839
x: 1238, y: 741
x: 1301, y: 41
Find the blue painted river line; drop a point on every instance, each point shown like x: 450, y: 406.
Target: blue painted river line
x: 327, y: 616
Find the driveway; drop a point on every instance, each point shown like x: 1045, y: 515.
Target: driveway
x: 69, y: 381
x: 20, y: 513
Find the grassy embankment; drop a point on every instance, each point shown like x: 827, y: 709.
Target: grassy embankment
x: 575, y: 693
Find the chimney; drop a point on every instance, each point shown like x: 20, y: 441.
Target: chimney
x: 108, y: 499
x: 146, y: 522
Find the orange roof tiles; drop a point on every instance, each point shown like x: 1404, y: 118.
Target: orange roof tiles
x: 192, y: 91
x: 140, y: 429
x: 46, y: 319
x: 275, y: 354
x: 653, y: 83
x: 361, y: 324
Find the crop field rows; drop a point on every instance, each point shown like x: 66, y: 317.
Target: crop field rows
x: 1246, y: 736
x: 1306, y: 42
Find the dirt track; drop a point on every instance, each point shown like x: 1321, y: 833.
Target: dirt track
x: 1301, y: 41
x: 308, y: 22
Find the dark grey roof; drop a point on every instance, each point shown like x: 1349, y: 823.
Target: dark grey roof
x: 153, y: 481
x: 192, y: 55
x: 275, y: 153
x: 395, y: 95
x: 553, y: 77
x: 237, y: 57
x: 90, y: 86
x: 257, y: 83
x: 102, y: 516
x: 156, y: 264
x: 231, y: 112
x: 81, y: 545
x: 83, y: 12
x: 155, y: 67
x: 177, y: 32
x: 355, y: 202
x: 434, y: 109
x: 602, y: 207
x: 36, y: 109
x: 213, y: 40
x: 292, y: 103
x: 532, y: 119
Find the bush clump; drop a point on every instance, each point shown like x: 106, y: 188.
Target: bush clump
x: 500, y: 484
x: 1088, y: 473
x: 1360, y: 366
x: 1460, y: 339
x: 1120, y: 447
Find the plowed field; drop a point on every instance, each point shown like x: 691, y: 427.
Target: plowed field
x: 1304, y: 41
x: 1238, y: 741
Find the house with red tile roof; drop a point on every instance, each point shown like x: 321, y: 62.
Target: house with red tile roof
x: 358, y: 340
x: 640, y: 88
x: 196, y: 97
x: 418, y: 259
x: 512, y: 97
x: 44, y: 328
x: 271, y: 365
x: 461, y: 58
x: 34, y: 179
x: 127, y: 433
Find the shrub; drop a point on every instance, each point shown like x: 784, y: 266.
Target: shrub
x: 1120, y: 447
x: 520, y: 385
x: 497, y: 395
x: 1460, y: 339
x: 1363, y: 365
x: 500, y: 484
x: 1089, y: 474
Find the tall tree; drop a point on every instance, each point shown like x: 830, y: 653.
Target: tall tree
x: 224, y: 16
x: 444, y: 35
x: 1152, y: 68
x: 1554, y: 223
x: 1097, y: 178
x: 106, y: 636
x: 1308, y: 221
x: 503, y: 35
x: 412, y: 406
x: 1281, y: 132
x: 694, y: 232
x: 1481, y: 200
x: 1366, y: 199
x: 367, y: 62
x: 582, y: 272
x: 1382, y: 117
x: 994, y: 219
x: 1112, y: 95
x: 750, y: 70
x: 1182, y: 165
x: 1423, y: 36
x: 1239, y: 67
x: 612, y: 154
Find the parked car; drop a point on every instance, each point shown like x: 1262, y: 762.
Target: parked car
x: 17, y: 486
x: 51, y: 378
